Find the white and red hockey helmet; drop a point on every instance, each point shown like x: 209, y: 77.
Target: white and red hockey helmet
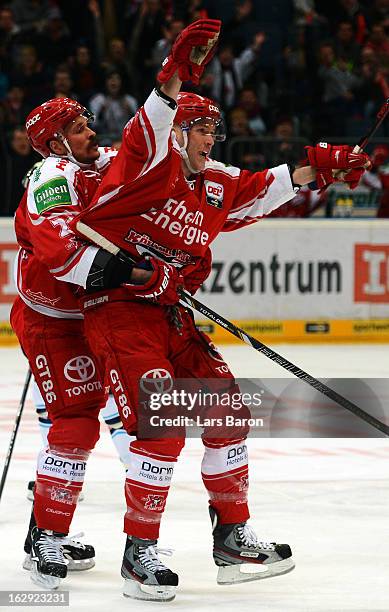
x: 193, y: 109
x: 48, y: 121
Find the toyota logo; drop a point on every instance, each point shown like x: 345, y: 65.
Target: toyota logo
x: 156, y: 381
x: 80, y: 369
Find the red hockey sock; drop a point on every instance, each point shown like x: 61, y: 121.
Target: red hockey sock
x: 147, y: 486
x: 59, y: 480
x: 225, y: 475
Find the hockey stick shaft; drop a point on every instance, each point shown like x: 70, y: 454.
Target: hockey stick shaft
x: 381, y: 115
x: 283, y: 362
x: 15, y: 431
x: 188, y: 300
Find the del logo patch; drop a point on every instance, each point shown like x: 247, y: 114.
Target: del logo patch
x: 52, y: 193
x: 214, y: 194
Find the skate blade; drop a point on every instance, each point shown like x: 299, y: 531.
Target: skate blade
x: 78, y: 565
x: 233, y: 574
x: 148, y: 592
x: 44, y: 580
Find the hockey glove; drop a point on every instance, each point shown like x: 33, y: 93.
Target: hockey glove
x: 162, y: 287
x: 192, y: 50
x: 196, y: 274
x: 329, y: 159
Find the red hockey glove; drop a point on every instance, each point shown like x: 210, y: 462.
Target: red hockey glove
x: 163, y: 285
x: 332, y: 157
x: 353, y: 177
x: 196, y: 274
x: 324, y: 178
x: 191, y: 51
x: 329, y: 159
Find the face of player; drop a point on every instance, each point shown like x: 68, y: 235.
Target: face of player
x: 82, y: 141
x: 200, y: 143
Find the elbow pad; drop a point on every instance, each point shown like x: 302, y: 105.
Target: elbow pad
x: 107, y: 272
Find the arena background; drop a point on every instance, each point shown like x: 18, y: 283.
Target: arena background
x: 286, y: 74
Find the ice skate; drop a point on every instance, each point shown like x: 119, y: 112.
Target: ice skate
x: 241, y: 557
x: 79, y: 556
x: 48, y: 564
x: 145, y: 576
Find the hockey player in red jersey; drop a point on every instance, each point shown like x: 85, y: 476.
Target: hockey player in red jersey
x: 163, y: 201
x: 49, y: 325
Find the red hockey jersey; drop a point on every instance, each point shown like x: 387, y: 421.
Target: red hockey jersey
x: 50, y: 252
x: 145, y: 205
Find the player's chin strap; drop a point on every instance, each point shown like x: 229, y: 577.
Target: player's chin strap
x: 184, y: 152
x: 70, y: 155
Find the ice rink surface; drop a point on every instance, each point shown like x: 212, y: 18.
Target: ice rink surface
x: 328, y: 498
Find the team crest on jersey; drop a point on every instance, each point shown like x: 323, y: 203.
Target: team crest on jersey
x: 52, y: 193
x: 214, y: 194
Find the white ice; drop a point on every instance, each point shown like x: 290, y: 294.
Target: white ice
x: 327, y: 498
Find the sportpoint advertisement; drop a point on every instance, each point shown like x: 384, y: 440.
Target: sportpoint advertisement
x: 281, y: 280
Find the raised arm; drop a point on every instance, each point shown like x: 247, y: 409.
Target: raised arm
x: 191, y: 52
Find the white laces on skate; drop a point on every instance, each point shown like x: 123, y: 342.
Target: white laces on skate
x: 148, y: 557
x: 250, y: 539
x: 50, y: 547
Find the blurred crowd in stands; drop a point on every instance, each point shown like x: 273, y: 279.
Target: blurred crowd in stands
x: 286, y: 73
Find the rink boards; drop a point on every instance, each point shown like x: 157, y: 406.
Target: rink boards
x: 292, y: 280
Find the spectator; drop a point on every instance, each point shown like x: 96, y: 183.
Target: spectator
x: 162, y: 47
x: 9, y: 31
x: 381, y: 160
x: 84, y: 74
x: 241, y: 29
x: 374, y: 85
x: 248, y: 101
x: 345, y: 44
x: 378, y: 12
x: 378, y: 42
x: 246, y: 150
x: 238, y: 123
x: 54, y: 44
x: 229, y: 73
x: 351, y: 10
x: 31, y: 15
x: 63, y: 84
x: 14, y: 107
x: 18, y: 159
x: 28, y: 73
x: 113, y: 108
x: 337, y: 102
x: 304, y: 204
x: 283, y: 150
x: 117, y: 61
x: 144, y: 29
x: 196, y: 9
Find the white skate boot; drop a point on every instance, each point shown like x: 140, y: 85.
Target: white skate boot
x: 241, y: 557
x: 145, y: 576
